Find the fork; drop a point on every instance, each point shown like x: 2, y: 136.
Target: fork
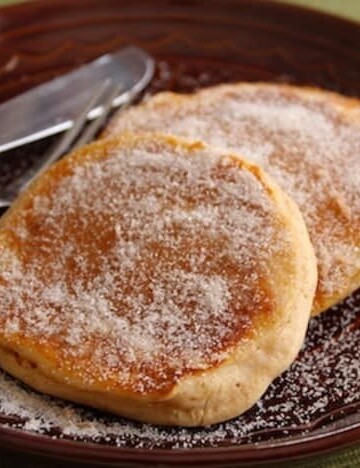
x: 77, y: 136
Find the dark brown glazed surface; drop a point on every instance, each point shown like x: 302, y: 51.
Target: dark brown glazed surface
x: 313, y: 407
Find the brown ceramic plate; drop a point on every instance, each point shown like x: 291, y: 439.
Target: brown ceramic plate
x: 315, y: 406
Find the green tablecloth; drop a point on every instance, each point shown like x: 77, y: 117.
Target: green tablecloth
x: 348, y: 458
x: 347, y: 8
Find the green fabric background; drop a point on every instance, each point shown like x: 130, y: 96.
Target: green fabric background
x: 348, y: 458
x: 347, y: 8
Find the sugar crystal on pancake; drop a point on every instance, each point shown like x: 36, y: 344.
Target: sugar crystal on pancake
x: 307, y: 139
x: 154, y: 278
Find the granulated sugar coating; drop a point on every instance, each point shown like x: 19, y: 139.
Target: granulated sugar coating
x: 308, y: 140
x: 111, y: 273
x: 324, y: 379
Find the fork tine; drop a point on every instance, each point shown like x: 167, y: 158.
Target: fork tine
x: 65, y: 141
x: 4, y: 203
x: 68, y: 139
x: 56, y: 150
x: 96, y: 124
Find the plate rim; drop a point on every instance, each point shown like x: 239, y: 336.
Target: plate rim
x: 85, y: 451
x: 278, y: 450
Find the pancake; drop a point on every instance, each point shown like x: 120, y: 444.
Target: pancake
x: 157, y: 279
x: 307, y: 139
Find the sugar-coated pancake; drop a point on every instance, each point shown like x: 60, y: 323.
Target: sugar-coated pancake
x: 307, y: 139
x: 157, y: 279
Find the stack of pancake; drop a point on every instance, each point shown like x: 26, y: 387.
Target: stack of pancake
x: 168, y: 271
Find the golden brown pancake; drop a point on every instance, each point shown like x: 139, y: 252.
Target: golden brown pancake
x: 161, y: 280
x: 307, y: 139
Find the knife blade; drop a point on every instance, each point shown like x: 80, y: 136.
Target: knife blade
x: 51, y: 107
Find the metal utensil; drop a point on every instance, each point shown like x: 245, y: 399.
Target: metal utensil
x: 52, y: 107
x: 76, y: 136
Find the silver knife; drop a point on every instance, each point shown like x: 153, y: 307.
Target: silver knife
x: 51, y: 107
